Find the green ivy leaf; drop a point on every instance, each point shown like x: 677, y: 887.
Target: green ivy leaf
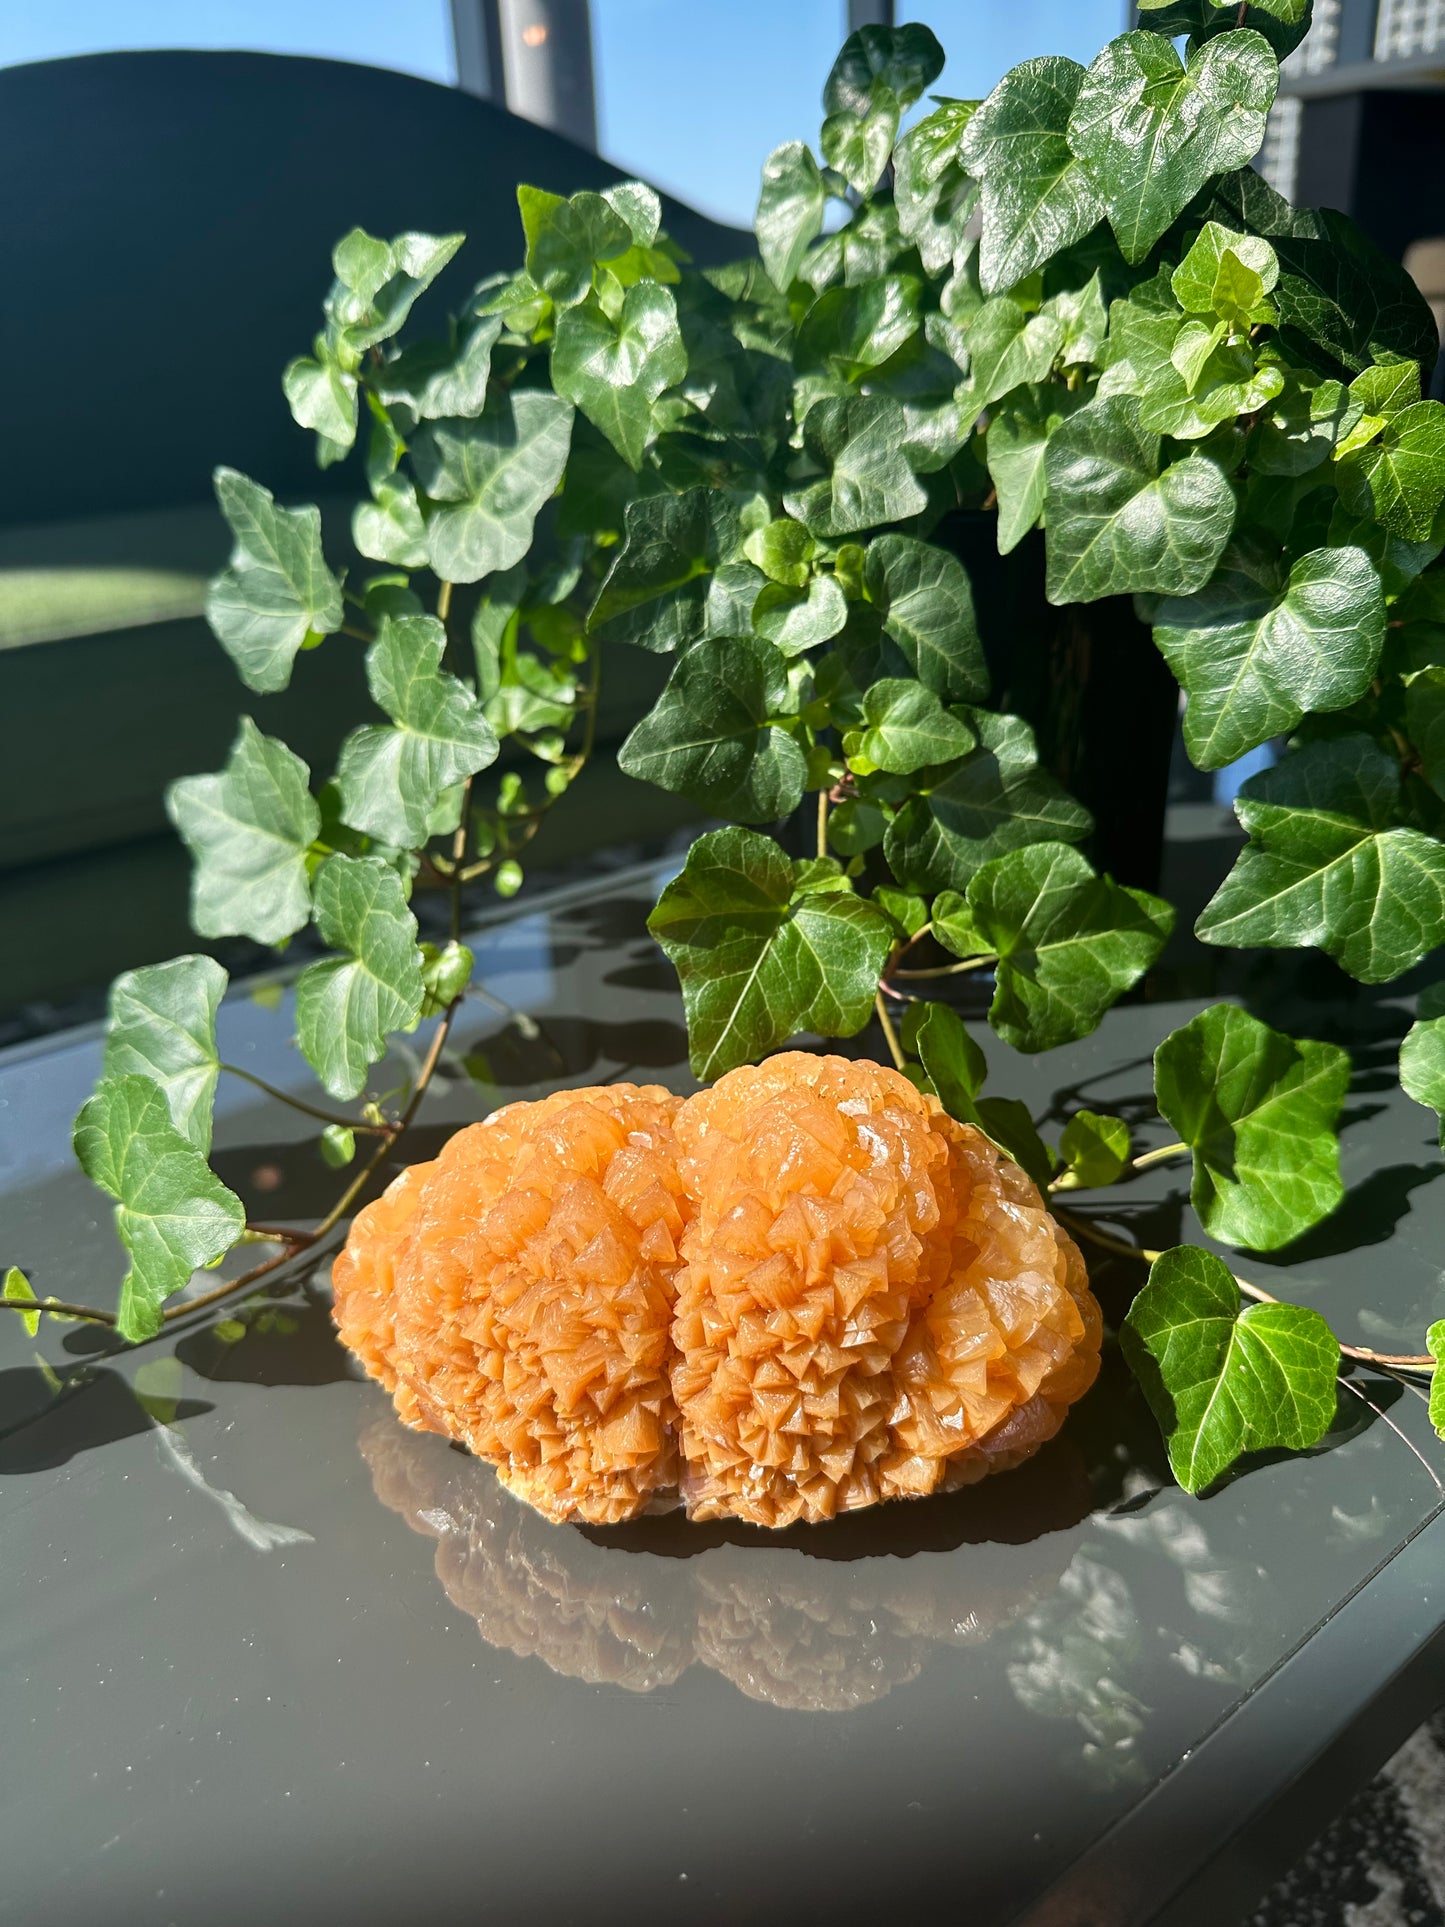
x: 276, y: 590
x: 995, y: 799
x: 923, y: 596
x: 377, y: 283
x: 445, y: 973
x: 173, y: 1214
x: 392, y: 780
x: 1222, y: 1380
x: 1422, y: 1055
x: 389, y: 528
x: 567, y: 239
x: 1435, y: 1345
x: 1284, y: 23
x: 1208, y: 281
x: 954, y: 1068
x: 441, y: 380
x: 1258, y: 1110
x: 849, y: 331
x: 1038, y: 198
x: 905, y: 727
x: 1118, y: 523
x: 932, y: 193
x: 764, y: 948
x: 615, y: 370
x: 1015, y: 445
x: 1151, y: 129
x: 346, y: 1005
x: 910, y: 913
x: 709, y: 736
x: 489, y: 477
x: 1329, y: 865
x: 790, y: 211
x: 1008, y: 346
x: 782, y: 550
x: 161, y: 1024
x: 859, y: 442
x: 797, y: 619
x: 656, y: 591
x: 879, y: 72
x: 322, y: 396
x: 17, y: 1291
x: 337, y: 1145
x: 1425, y: 720
x: 1069, y: 943
x: 1405, y: 470
x: 1095, y: 1149
x: 1265, y: 642
x: 248, y: 829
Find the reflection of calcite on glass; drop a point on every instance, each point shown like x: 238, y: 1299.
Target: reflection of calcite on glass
x: 795, y: 1294
x: 787, y: 1626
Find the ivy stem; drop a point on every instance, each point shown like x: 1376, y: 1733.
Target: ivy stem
x: 444, y: 601
x: 890, y: 1035
x: 949, y: 970
x: 309, y: 1110
x: 1397, y: 1361
x: 822, y: 822
x: 360, y: 635
x: 1146, y: 1158
x: 59, y: 1306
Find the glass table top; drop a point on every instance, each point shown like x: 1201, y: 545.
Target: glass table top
x: 268, y: 1655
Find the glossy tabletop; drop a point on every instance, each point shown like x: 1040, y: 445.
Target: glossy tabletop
x: 268, y: 1656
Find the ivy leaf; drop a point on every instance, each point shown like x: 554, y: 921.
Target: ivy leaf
x: 322, y: 397
x: 923, y: 596
x: 1038, y: 198
x: 1405, y: 470
x: 1425, y: 720
x: 783, y: 551
x: 1422, y: 1060
x: 1069, y: 943
x: 161, y: 1024
x: 615, y: 370
x: 1329, y: 865
x: 1222, y: 1380
x: 932, y: 193
x: 17, y: 1291
x: 849, y: 331
x: 1095, y: 1149
x: 445, y: 973
x: 1008, y: 346
x: 879, y: 72
x: 1151, y: 129
x: 993, y: 800
x: 346, y: 1005
x: 765, y: 947
x: 392, y: 781
x: 955, y: 1069
x: 1207, y: 280
x: 276, y: 590
x: 389, y: 528
x: 248, y: 829
x: 489, y: 478
x: 1258, y: 1110
x: 709, y: 735
x: 656, y: 591
x: 797, y: 619
x: 567, y: 238
x: 337, y: 1145
x: 438, y: 380
x: 1343, y: 303
x: 790, y: 211
x: 1284, y: 23
x: 1435, y: 1345
x: 1015, y: 445
x: 639, y: 206
x: 1119, y: 523
x: 1264, y: 642
x: 173, y: 1214
x: 859, y: 442
x: 905, y: 727
x: 377, y: 283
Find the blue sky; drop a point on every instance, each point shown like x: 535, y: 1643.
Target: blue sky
x: 691, y: 93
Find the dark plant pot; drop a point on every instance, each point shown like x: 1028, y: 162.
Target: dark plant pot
x: 1089, y: 680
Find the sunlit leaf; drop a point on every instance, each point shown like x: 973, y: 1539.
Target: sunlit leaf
x: 161, y: 1024
x: 276, y: 590
x: 923, y: 595
x: 347, y: 1005
x: 1095, y: 1148
x: 614, y: 370
x: 489, y: 478
x: 858, y: 442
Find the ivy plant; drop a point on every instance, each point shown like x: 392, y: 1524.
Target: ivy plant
x: 1071, y: 307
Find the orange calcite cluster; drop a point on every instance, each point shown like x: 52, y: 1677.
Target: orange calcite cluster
x: 795, y: 1294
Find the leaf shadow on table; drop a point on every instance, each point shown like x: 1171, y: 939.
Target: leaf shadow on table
x: 560, y: 1049
x: 48, y: 1422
